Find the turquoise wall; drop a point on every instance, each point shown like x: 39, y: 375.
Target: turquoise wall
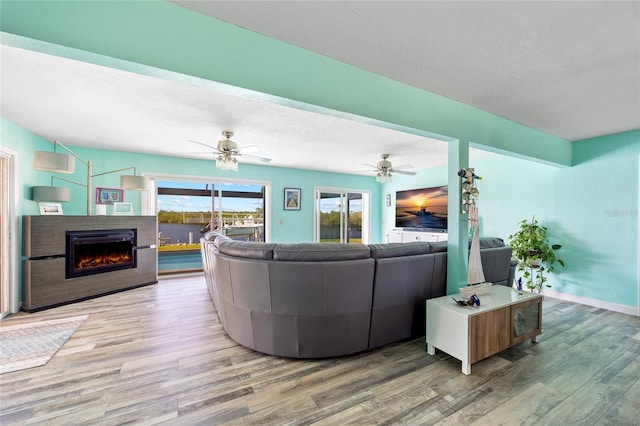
x: 590, y: 208
x: 597, y: 215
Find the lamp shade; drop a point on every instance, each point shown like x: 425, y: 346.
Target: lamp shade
x: 53, y: 162
x: 50, y: 193
x: 136, y: 183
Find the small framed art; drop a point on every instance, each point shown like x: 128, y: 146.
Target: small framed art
x: 122, y: 209
x: 292, y: 198
x: 50, y: 208
x: 109, y: 195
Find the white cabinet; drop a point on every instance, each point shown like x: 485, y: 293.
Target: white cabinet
x: 403, y: 236
x: 471, y: 334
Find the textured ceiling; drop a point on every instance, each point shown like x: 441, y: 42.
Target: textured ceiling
x: 82, y: 104
x: 570, y: 69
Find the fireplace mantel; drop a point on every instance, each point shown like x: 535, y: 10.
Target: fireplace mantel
x: 44, y: 270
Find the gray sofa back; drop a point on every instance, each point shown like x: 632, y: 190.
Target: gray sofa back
x: 406, y: 275
x: 300, y: 309
x: 315, y: 300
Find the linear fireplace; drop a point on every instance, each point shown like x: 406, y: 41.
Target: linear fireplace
x: 49, y: 240
x: 99, y: 251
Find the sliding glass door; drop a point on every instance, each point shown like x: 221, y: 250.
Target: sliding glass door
x: 341, y: 216
x: 187, y: 209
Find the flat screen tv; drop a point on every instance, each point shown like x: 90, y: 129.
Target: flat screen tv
x: 424, y: 209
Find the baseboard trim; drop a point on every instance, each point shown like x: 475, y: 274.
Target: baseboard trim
x: 615, y: 307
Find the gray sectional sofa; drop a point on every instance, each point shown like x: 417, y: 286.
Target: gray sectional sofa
x: 318, y: 300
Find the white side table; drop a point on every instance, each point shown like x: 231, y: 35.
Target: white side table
x: 471, y: 334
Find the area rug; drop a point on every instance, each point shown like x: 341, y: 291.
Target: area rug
x: 32, y: 345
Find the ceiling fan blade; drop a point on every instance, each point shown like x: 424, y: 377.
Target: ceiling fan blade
x: 375, y: 168
x: 404, y: 166
x: 255, y: 157
x: 249, y: 148
x: 204, y: 144
x: 403, y: 172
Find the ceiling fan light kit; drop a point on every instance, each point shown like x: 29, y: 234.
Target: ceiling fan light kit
x: 227, y: 162
x: 227, y: 153
x: 384, y: 169
x: 383, y: 176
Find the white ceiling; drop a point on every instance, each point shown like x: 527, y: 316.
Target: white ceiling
x: 569, y: 69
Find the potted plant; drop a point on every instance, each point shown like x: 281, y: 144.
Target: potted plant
x: 534, y: 253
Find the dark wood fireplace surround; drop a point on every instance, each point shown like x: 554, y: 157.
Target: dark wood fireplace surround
x: 44, y: 269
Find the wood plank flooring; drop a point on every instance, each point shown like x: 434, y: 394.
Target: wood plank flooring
x: 158, y: 355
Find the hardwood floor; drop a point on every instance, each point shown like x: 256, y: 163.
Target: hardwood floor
x: 158, y: 355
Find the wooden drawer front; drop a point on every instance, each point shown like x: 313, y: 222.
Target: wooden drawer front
x: 489, y: 333
x: 46, y: 285
x: 526, y: 320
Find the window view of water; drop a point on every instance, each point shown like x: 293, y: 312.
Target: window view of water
x: 187, y: 209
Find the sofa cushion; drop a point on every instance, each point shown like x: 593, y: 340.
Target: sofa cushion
x: 485, y: 243
x: 248, y: 249
x: 211, y: 235
x: 318, y: 252
x: 439, y: 247
x: 219, y: 240
x: 381, y: 251
x: 490, y: 242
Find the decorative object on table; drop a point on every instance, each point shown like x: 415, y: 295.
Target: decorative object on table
x: 471, y: 301
x: 122, y: 209
x: 34, y: 344
x: 56, y: 162
x: 292, y: 198
x: 50, y: 208
x: 534, y: 253
x: 477, y: 289
x: 109, y: 195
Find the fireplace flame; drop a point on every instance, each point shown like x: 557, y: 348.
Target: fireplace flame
x: 97, y: 260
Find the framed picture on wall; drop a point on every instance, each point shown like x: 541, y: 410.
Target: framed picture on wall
x: 121, y: 209
x: 109, y: 195
x: 292, y: 198
x: 50, y: 208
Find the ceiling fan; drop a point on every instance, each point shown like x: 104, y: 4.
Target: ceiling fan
x: 228, y: 152
x: 384, y: 169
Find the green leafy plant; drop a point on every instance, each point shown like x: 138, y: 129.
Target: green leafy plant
x: 534, y: 253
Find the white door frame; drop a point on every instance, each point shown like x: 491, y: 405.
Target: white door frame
x: 10, y: 244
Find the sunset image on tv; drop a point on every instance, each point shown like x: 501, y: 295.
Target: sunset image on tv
x: 422, y: 208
